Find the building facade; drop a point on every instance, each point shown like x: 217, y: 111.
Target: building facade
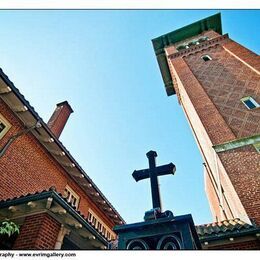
x: 42, y: 187
x: 56, y: 204
x: 217, y: 83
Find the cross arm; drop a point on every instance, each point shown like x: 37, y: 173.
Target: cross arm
x: 160, y: 170
x: 166, y: 169
x: 140, y: 174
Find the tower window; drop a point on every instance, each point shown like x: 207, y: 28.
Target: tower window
x: 192, y: 43
x: 182, y: 47
x: 206, y: 57
x: 249, y: 102
x: 203, y: 39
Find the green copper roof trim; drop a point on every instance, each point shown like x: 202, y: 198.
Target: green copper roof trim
x: 210, y: 23
x: 255, y: 139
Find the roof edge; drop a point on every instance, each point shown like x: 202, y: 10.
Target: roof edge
x: 212, y: 22
x: 31, y: 109
x: 52, y: 193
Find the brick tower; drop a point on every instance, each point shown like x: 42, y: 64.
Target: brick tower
x: 217, y: 82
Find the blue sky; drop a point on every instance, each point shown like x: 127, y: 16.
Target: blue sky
x: 103, y: 63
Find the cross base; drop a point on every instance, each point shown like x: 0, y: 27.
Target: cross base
x: 156, y: 214
x: 169, y: 233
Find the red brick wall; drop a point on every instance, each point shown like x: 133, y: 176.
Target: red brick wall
x: 243, y: 53
x: 226, y: 80
x: 248, y: 245
x: 213, y: 122
x: 197, y: 117
x: 243, y: 168
x: 27, y: 167
x: 38, y: 232
x: 210, y: 94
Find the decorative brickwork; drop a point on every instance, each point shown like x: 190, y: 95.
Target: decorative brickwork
x: 243, y: 54
x: 215, y: 125
x: 201, y: 47
x: 226, y: 80
x: 210, y: 94
x: 210, y: 34
x: 38, y: 232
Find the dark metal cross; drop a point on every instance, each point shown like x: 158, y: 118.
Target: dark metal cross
x: 153, y: 172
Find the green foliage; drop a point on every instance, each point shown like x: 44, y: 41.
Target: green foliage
x: 8, y: 228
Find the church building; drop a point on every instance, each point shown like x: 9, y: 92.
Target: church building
x: 217, y: 83
x: 57, y: 205
x: 42, y: 187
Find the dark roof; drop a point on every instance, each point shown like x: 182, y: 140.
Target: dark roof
x: 160, y: 43
x: 31, y: 109
x: 226, y: 228
x: 60, y: 199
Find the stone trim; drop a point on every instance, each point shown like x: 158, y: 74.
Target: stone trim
x: 241, y: 60
x: 236, y: 143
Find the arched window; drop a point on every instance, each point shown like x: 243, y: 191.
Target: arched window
x: 192, y: 43
x: 203, y: 39
x: 181, y: 47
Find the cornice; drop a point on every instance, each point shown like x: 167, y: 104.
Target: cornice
x: 200, y: 47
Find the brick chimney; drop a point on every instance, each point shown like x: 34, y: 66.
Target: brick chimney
x: 59, y: 118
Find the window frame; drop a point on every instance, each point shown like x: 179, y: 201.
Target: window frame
x: 6, y: 124
x: 252, y: 100
x: 193, y: 42
x: 203, y: 39
x: 206, y: 56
